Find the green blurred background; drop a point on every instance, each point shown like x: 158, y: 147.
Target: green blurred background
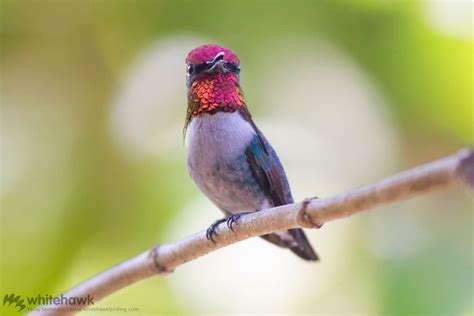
x: 93, y: 163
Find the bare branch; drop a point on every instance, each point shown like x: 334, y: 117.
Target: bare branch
x: 309, y: 213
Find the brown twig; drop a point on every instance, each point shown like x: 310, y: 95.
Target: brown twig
x: 310, y: 213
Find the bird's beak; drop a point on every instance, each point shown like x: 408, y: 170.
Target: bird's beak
x: 217, y: 63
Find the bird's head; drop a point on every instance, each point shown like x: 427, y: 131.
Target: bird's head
x: 210, y: 61
x: 213, y: 81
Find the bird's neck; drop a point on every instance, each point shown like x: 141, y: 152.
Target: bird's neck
x: 212, y: 93
x: 215, y: 93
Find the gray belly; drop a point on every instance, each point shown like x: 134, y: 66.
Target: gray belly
x: 218, y: 164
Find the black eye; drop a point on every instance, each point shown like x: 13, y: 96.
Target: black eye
x: 235, y: 68
x: 190, y: 69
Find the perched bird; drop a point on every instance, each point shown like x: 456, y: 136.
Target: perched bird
x: 230, y: 160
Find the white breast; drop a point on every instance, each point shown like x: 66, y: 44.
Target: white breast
x: 217, y: 162
x: 218, y: 136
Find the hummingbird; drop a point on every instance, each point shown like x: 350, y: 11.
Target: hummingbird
x: 228, y: 157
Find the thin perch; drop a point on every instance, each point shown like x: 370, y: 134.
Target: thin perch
x: 310, y: 213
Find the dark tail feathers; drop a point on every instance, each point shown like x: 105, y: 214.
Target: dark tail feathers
x: 303, y: 248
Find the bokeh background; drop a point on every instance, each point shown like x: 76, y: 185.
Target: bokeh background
x: 93, y: 170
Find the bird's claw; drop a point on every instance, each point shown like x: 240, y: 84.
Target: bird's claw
x: 231, y: 220
x: 211, y: 231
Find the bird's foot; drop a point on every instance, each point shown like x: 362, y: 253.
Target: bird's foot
x: 211, y: 231
x: 231, y: 220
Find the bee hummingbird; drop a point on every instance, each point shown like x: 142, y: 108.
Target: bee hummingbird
x: 230, y: 160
